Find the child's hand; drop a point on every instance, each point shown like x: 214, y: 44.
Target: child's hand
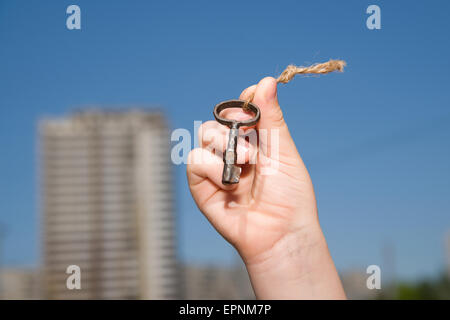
x: 270, y: 216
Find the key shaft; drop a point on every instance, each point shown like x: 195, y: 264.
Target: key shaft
x: 231, y: 172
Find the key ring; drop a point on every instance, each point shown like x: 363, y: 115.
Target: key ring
x: 236, y: 104
x: 231, y: 172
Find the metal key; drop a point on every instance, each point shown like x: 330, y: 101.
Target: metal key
x: 232, y: 172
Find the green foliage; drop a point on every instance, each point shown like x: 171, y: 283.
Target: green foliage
x: 434, y: 289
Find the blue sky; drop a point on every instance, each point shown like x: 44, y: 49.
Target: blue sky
x: 375, y: 138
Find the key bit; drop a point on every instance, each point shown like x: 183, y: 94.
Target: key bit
x: 232, y: 172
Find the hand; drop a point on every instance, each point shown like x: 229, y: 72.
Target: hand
x: 270, y: 216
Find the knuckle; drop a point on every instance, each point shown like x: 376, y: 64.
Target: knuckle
x: 194, y: 153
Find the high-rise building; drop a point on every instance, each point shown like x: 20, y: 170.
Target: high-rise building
x: 106, y: 202
x: 216, y: 282
x: 19, y: 284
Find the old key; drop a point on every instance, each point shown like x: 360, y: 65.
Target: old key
x: 232, y: 172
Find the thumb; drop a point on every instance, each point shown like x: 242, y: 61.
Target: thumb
x: 265, y: 97
x: 272, y: 126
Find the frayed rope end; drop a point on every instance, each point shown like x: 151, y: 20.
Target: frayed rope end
x: 319, y: 68
x: 291, y: 71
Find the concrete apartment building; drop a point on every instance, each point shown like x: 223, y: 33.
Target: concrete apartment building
x: 203, y: 282
x: 106, y: 202
x: 19, y: 284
